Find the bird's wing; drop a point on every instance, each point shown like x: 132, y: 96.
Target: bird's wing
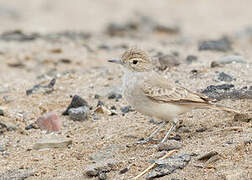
x: 160, y: 89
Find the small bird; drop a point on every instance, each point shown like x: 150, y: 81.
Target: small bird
x: 154, y: 95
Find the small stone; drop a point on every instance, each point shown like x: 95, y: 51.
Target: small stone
x: 31, y: 126
x: 191, y: 58
x: 99, y: 167
x: 168, y: 29
x: 176, y: 138
x: 169, y: 145
x: 224, y: 77
x: 126, y: 109
x: 223, y: 44
x: 169, y: 165
x: 79, y: 114
x: 243, y: 117
x: 114, y: 95
x: 247, y: 141
x: 52, y: 142
x: 104, y: 110
x: 76, y: 102
x: 202, y: 129
x: 231, y: 59
x: 167, y: 61
x: 49, y: 121
x: 215, y: 64
x: 207, y: 155
x: 65, y: 61
x: 102, y: 176
x: 1, y: 112
x: 124, y: 170
x: 97, y: 96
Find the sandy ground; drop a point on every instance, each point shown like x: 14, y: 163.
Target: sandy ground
x: 88, y: 73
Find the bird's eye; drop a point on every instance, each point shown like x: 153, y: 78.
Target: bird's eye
x: 135, y: 61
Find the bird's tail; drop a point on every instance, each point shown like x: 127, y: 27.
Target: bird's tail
x: 224, y: 108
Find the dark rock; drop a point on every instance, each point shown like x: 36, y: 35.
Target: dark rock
x: 17, y: 174
x: 31, y: 126
x: 65, y: 61
x: 224, y: 77
x: 248, y: 141
x: 167, y: 61
x: 100, y: 167
x: 16, y: 65
x: 79, y: 114
x: 126, y: 109
x: 176, y: 138
x: 100, y: 103
x: 124, y: 170
x: 114, y: 95
x: 169, y: 145
x: 169, y: 165
x: 223, y: 44
x: 191, y: 58
x: 76, y: 102
x: 226, y: 91
x: 113, y: 107
x: 47, y: 88
x: 1, y: 112
x: 215, y: 64
x: 97, y: 96
x: 121, y: 29
x: 231, y: 59
x: 18, y: 35
x: 168, y: 29
x: 102, y: 176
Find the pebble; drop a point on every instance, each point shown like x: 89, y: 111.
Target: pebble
x: 50, y: 122
x: 121, y: 29
x: 231, y: 59
x: 207, y: 155
x: 224, y: 77
x: 52, y: 142
x: 124, y: 170
x: 114, y: 95
x: 47, y: 88
x: 76, y: 102
x: 167, y: 61
x: 168, y: 29
x: 79, y: 114
x: 100, y: 167
x: 169, y: 165
x: 102, y: 176
x: 223, y: 44
x: 191, y: 58
x: 169, y: 145
x: 1, y: 112
x: 31, y: 126
x: 215, y: 64
x: 126, y: 109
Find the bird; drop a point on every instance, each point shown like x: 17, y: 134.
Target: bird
x: 151, y: 94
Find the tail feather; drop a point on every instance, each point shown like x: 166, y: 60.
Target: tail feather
x: 224, y: 108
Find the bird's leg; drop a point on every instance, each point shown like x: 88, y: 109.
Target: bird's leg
x: 153, y: 133
x: 174, y: 123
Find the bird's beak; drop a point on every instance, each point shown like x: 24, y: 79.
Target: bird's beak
x: 117, y: 61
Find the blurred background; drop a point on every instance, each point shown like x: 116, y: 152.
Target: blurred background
x: 195, y: 17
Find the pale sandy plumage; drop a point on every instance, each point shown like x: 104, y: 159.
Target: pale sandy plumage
x: 153, y: 95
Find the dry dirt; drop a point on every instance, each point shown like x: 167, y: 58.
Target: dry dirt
x: 25, y: 63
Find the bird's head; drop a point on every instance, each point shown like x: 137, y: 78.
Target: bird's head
x: 135, y: 60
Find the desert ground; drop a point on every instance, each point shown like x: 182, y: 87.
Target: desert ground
x: 206, y: 46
